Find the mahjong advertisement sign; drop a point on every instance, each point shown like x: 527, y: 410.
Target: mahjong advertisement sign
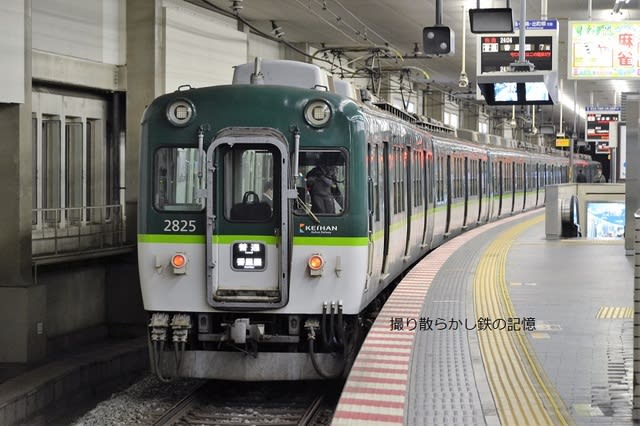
x: 604, y: 50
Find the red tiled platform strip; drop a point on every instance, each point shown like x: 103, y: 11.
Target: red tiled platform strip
x: 376, y: 389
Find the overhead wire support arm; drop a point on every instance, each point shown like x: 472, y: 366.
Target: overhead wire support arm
x: 405, y: 68
x: 371, y: 49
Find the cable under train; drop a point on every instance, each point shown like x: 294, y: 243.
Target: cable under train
x: 246, y: 273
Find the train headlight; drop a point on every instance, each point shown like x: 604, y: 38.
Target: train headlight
x: 317, y: 113
x: 316, y: 265
x: 181, y: 112
x: 179, y: 263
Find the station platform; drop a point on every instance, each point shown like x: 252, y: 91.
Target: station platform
x: 80, y: 378
x: 500, y: 326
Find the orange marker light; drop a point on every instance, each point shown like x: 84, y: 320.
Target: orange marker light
x: 178, y: 260
x: 316, y: 262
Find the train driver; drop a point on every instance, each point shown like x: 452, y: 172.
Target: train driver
x: 267, y: 194
x: 323, y: 189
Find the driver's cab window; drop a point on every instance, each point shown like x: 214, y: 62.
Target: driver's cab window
x: 248, y: 184
x: 177, y: 176
x: 324, y: 175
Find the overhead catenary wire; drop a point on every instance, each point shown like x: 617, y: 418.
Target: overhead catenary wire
x: 258, y: 31
x: 396, y: 54
x: 360, y: 21
x: 332, y: 25
x: 264, y: 34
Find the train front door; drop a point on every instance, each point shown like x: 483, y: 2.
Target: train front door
x: 247, y: 220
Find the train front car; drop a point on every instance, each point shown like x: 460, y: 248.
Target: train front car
x: 252, y: 240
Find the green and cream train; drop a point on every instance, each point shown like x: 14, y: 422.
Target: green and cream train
x: 244, y: 273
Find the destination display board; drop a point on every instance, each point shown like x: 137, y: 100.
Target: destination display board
x: 498, y: 51
x: 597, y: 124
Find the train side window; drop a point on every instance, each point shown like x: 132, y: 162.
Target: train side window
x: 374, y: 201
x: 521, y: 177
x: 399, y: 186
x: 418, y: 172
x: 440, y: 180
x: 175, y: 177
x: 497, y: 177
x: 325, y: 174
x: 403, y: 176
x: 472, y: 176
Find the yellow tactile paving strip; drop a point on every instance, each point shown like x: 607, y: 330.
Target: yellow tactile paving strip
x: 521, y: 391
x: 614, y: 312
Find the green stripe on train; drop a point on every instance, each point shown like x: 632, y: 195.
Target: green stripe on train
x: 199, y: 239
x: 267, y: 239
x: 228, y: 239
x: 330, y: 241
x: 170, y: 239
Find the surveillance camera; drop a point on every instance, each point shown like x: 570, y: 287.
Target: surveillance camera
x: 464, y: 81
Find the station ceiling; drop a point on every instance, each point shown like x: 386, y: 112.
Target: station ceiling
x: 399, y: 24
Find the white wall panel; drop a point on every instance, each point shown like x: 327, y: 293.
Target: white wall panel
x: 263, y: 48
x: 86, y: 29
x: 114, y: 26
x: 68, y: 27
x: 12, y: 51
x: 201, y: 47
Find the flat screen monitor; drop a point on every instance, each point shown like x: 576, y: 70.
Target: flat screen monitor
x: 492, y: 20
x: 505, y: 92
x: 515, y: 93
x: 535, y: 92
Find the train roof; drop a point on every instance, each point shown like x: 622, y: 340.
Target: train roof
x: 295, y: 74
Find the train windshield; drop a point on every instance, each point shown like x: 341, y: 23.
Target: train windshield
x: 248, y: 184
x: 177, y: 178
x: 325, y: 176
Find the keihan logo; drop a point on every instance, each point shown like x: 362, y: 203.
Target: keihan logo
x: 317, y: 229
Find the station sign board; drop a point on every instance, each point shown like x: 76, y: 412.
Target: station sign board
x: 600, y: 49
x: 597, y: 126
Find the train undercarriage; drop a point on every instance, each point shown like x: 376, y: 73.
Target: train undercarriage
x: 257, y: 347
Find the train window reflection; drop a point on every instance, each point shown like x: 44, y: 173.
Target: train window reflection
x: 249, y: 190
x: 176, y: 179
x: 325, y: 182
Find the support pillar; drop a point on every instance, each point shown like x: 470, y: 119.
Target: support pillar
x: 636, y: 320
x: 22, y: 304
x: 469, y: 116
x: 434, y: 105
x: 145, y: 81
x: 293, y: 55
x: 632, y: 181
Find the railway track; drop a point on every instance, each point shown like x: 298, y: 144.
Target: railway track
x: 261, y: 404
